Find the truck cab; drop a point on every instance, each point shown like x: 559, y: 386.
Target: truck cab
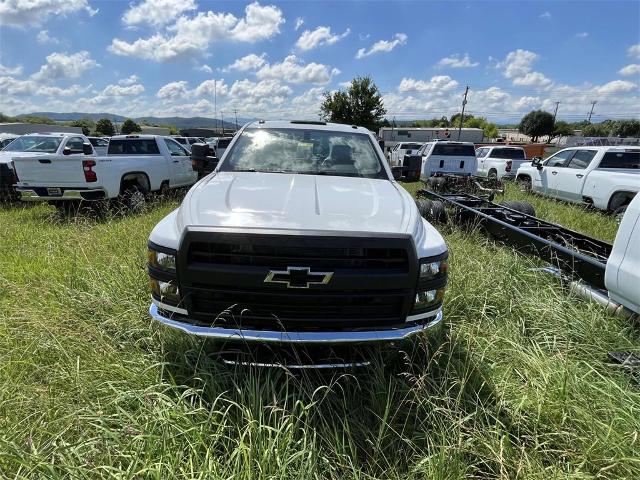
x: 501, y: 162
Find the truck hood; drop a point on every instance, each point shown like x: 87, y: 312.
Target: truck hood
x: 293, y: 201
x: 6, y: 157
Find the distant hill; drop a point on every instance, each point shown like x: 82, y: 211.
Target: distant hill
x: 180, y: 122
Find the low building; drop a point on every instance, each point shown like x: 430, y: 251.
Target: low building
x: 149, y: 130
x: 392, y: 135
x: 24, y: 128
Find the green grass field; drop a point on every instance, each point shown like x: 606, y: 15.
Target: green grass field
x: 90, y: 387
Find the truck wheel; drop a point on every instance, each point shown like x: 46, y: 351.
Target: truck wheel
x: 432, y: 210
x: 522, y: 207
x: 439, y: 211
x: 618, y: 213
x: 133, y: 199
x: 493, y: 174
x: 525, y: 184
x: 424, y: 207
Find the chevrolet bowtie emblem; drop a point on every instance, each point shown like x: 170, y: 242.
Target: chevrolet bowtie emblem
x: 298, y: 277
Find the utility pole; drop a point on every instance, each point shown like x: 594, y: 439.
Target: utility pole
x: 222, y: 115
x: 215, y: 104
x: 555, y: 112
x: 593, y: 104
x: 464, y: 104
x: 235, y: 110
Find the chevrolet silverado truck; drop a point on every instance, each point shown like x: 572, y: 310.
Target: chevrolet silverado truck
x: 38, y: 145
x: 299, y: 236
x: 133, y: 167
x: 500, y: 162
x: 606, y: 178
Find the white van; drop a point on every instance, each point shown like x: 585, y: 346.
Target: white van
x: 458, y: 158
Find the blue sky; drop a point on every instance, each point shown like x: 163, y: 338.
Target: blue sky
x: 274, y: 59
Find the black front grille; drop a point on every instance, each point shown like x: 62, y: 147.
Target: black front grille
x: 275, y: 256
x: 224, y: 280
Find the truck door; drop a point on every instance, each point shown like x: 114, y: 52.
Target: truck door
x: 181, y: 169
x: 481, y: 155
x: 571, y: 178
x: 550, y: 170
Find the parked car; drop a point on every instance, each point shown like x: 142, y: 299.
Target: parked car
x: 397, y: 153
x: 445, y: 157
x: 606, y: 178
x: 500, y: 162
x: 100, y: 144
x: 6, y: 139
x: 300, y: 236
x: 219, y: 144
x: 186, y: 142
x: 36, y: 145
x: 134, y: 166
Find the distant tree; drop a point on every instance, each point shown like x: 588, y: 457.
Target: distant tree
x: 129, y: 126
x: 86, y: 124
x: 536, y: 124
x: 454, y: 121
x: 626, y: 128
x: 360, y: 105
x: 6, y: 118
x: 36, y: 119
x: 104, y: 126
x: 562, y: 129
x: 595, y: 130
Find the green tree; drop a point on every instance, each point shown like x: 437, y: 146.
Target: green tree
x: 595, y: 130
x: 86, y: 124
x: 104, y: 126
x: 6, y: 118
x: 360, y: 105
x: 129, y: 126
x: 561, y: 129
x: 536, y: 124
x: 36, y: 119
x: 626, y: 128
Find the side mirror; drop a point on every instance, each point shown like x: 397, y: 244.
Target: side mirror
x: 66, y: 151
x: 537, y: 162
x: 87, y: 149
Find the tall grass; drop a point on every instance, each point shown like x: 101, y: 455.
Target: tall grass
x: 91, y: 387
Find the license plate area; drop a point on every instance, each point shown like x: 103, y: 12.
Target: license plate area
x: 54, y: 191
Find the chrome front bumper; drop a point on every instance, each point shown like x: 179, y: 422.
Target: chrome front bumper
x: 29, y: 195
x: 371, y: 336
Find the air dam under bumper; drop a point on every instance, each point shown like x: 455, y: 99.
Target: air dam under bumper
x: 328, y: 337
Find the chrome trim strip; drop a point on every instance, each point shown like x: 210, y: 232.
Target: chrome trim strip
x: 422, y: 316
x: 266, y: 336
x: 29, y: 195
x: 171, y: 308
x: 311, y: 366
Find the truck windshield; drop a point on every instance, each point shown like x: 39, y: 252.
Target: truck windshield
x: 454, y: 149
x: 628, y: 159
x: 508, y: 153
x: 34, y: 144
x: 302, y: 151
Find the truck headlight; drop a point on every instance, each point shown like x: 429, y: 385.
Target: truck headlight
x: 426, y: 299
x: 166, y: 292
x: 162, y: 261
x: 430, y: 270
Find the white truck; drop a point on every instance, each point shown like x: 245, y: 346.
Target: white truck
x: 500, y: 162
x: 445, y: 157
x: 133, y: 167
x: 299, y: 236
x: 606, y: 178
x: 397, y: 153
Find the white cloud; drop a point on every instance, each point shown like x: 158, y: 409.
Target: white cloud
x: 212, y: 87
x: 44, y: 37
x: 299, y: 22
x: 130, y: 80
x: 318, y: 37
x: 205, y: 69
x: 113, y: 93
x: 291, y: 70
x: 13, y: 86
x: 455, y: 61
x: 61, y: 65
x: 581, y: 35
x: 261, y: 94
x: 191, y: 36
x: 156, y: 12
x: 632, y: 69
x: 246, y: 63
x: 634, y: 51
x: 546, y: 14
x: 437, y: 85
x: 173, y: 90
x: 518, y: 67
x: 20, y: 13
x: 383, y: 45
x: 10, y: 70
x: 617, y: 86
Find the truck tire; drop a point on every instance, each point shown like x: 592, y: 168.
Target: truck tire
x: 432, y: 210
x: 522, y: 207
x: 493, y: 174
x: 525, y: 184
x: 133, y: 199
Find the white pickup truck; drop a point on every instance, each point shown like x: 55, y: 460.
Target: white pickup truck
x: 606, y: 178
x: 446, y: 157
x: 300, y: 236
x: 134, y: 166
x: 500, y: 162
x: 397, y: 153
